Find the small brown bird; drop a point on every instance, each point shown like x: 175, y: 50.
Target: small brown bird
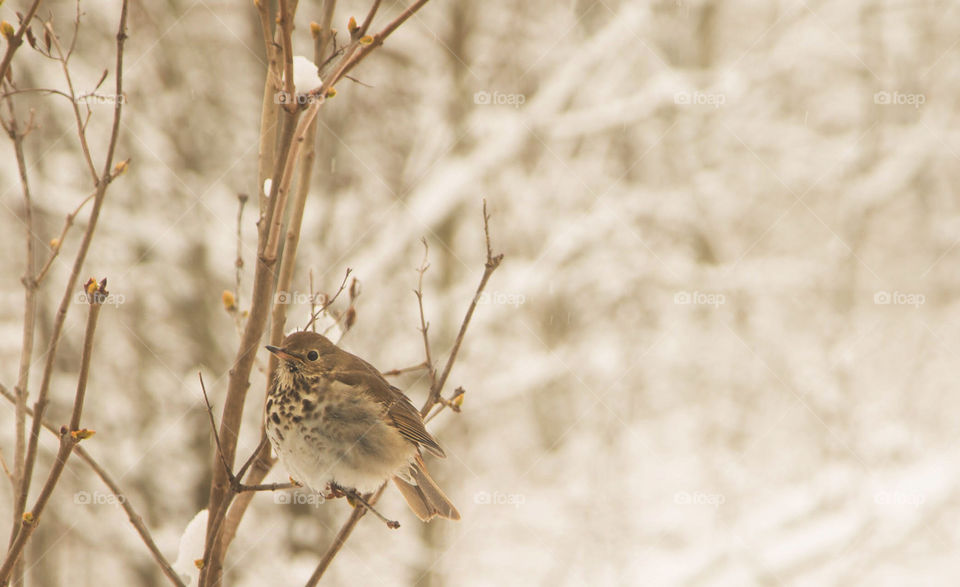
x: 335, y: 421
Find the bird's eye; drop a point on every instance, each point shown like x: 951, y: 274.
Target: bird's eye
x: 313, y: 355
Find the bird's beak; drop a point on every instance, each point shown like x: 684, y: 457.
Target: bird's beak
x: 283, y: 354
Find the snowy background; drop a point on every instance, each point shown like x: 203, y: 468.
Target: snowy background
x: 720, y: 349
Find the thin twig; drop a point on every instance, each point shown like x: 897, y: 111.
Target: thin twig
x: 369, y: 19
x: 69, y: 437
x: 329, y: 301
x: 213, y: 426
x: 29, y: 322
x: 292, y: 240
x: 379, y: 38
x: 57, y: 330
x: 56, y: 246
x: 395, y: 372
x: 424, y: 325
x: 326, y: 33
x: 14, y: 42
x: 341, y: 538
x: 267, y: 487
x: 123, y: 499
x: 355, y: 495
x: 492, y: 262
x: 270, y: 108
x: 241, y: 202
x: 286, y: 42
x: 62, y: 57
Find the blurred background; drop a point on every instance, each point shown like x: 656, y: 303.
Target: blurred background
x: 719, y: 350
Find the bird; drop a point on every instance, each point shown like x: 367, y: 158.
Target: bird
x: 336, y: 423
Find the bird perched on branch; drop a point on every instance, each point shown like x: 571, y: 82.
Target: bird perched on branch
x: 336, y: 423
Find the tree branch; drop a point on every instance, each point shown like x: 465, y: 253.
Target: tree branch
x: 14, y: 42
x: 434, y: 397
x: 69, y: 436
x: 57, y: 330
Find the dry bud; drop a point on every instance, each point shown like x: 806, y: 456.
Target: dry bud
x: 82, y: 434
x: 229, y: 301
x: 351, y: 317
x: 198, y: 562
x: 120, y: 167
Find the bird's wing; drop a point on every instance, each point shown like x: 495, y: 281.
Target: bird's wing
x: 399, y: 410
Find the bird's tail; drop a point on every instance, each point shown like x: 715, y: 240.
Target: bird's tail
x: 424, y: 497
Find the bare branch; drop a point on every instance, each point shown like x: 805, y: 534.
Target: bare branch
x: 62, y: 57
x: 57, y: 330
x: 341, y: 538
x: 489, y: 267
x: 57, y: 244
x: 14, y: 42
x: 328, y: 302
x: 424, y: 325
x: 492, y: 262
x: 326, y: 33
x: 29, y: 325
x: 69, y: 437
x: 286, y: 42
x: 135, y: 518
